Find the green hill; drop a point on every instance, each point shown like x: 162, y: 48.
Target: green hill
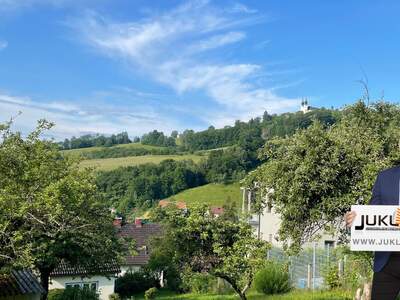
x: 83, y: 151
x: 107, y: 164
x: 213, y: 194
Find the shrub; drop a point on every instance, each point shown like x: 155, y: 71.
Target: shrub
x: 114, y: 296
x: 198, y: 283
x: 150, y: 293
x: 55, y: 294
x: 331, y: 276
x: 272, y: 279
x: 75, y: 293
x: 134, y: 282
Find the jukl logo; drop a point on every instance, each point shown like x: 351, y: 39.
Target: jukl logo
x: 379, y: 220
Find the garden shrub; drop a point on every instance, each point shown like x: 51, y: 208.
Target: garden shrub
x: 74, y: 293
x: 150, y: 293
x: 272, y: 279
x: 134, y: 282
x: 55, y: 294
x: 199, y: 283
x: 331, y: 276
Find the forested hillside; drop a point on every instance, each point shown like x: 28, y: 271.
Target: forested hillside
x: 136, y: 175
x: 262, y: 128
x: 258, y: 128
x: 131, y: 187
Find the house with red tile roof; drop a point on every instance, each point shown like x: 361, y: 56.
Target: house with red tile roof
x: 101, y: 279
x: 141, y: 232
x: 65, y: 275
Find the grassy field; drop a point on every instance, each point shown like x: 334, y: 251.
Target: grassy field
x: 213, y: 194
x: 295, y: 295
x: 78, y: 152
x: 107, y: 164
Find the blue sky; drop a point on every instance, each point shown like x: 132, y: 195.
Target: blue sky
x: 107, y: 66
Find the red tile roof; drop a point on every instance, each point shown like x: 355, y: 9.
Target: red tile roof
x: 142, y: 237
x: 215, y: 210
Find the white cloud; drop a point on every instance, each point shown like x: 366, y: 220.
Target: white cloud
x: 241, y: 8
x: 172, y: 49
x: 12, y: 6
x: 217, y: 41
x: 76, y: 120
x: 3, y: 44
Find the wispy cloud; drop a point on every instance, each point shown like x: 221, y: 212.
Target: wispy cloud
x: 3, y: 44
x: 74, y: 119
x: 12, y: 6
x: 171, y: 48
x: 241, y: 8
x: 216, y: 41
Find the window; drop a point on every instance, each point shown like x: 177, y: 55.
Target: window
x: 87, y: 285
x: 270, y: 238
x: 329, y: 245
x: 269, y: 207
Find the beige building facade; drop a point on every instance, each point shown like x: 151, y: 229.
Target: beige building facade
x: 267, y: 223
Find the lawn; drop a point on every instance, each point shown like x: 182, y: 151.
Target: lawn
x: 295, y: 295
x: 78, y: 152
x: 107, y: 164
x: 212, y: 194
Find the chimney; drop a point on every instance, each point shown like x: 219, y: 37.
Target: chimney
x: 117, y: 222
x: 138, y: 222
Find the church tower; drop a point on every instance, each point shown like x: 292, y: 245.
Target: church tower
x: 304, y: 106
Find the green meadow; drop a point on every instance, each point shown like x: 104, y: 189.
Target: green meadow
x: 213, y: 194
x: 107, y: 164
x: 80, y: 151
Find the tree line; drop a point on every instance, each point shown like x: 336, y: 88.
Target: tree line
x: 114, y: 152
x: 95, y: 140
x: 257, y: 128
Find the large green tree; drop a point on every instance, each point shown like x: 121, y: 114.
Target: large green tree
x: 49, y: 208
x: 221, y: 246
x: 319, y: 172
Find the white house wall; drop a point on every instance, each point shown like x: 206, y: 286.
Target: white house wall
x: 266, y: 225
x: 105, y: 285
x: 125, y: 269
x: 269, y: 226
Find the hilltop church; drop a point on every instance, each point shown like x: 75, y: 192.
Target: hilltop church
x: 304, y: 107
